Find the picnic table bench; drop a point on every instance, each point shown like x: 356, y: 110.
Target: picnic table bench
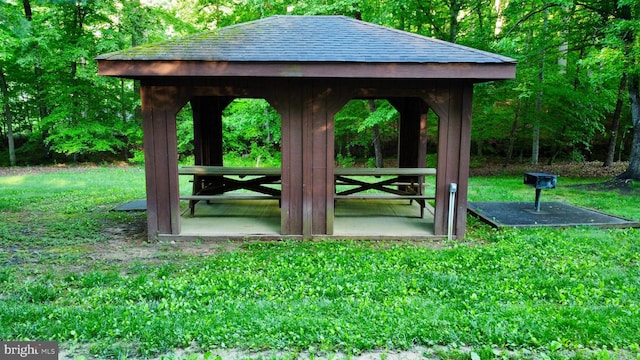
x: 211, y: 182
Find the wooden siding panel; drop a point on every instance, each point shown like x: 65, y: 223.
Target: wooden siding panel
x: 306, y: 163
x: 465, y: 154
x: 442, y: 191
x: 410, y: 148
x: 149, y: 156
x: 319, y: 163
x: 454, y: 137
x: 288, y: 102
x: 453, y: 148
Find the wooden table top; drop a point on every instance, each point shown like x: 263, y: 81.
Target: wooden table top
x: 226, y: 170
x: 258, y: 171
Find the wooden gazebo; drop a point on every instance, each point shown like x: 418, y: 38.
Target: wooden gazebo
x: 307, y: 68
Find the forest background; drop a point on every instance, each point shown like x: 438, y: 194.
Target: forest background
x: 575, y: 97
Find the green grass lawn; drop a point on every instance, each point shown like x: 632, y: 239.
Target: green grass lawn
x: 520, y: 293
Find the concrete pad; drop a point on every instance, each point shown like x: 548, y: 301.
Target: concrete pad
x: 353, y: 218
x: 233, y: 217
x: 384, y: 218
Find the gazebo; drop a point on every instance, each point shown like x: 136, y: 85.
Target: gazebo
x: 307, y: 68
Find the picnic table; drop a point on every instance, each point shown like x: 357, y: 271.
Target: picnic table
x: 210, y: 182
x: 398, y: 183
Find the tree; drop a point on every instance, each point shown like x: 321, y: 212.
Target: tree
x: 52, y: 97
x: 572, y: 56
x: 621, y: 35
x: 8, y: 120
x: 10, y: 25
x: 251, y: 128
x: 628, y: 30
x: 375, y: 129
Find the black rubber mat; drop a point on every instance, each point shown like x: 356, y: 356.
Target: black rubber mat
x: 137, y: 205
x: 523, y: 214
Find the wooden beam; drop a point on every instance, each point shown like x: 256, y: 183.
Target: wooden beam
x: 475, y: 72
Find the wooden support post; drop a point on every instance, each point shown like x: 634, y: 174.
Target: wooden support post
x: 288, y: 103
x: 307, y: 156
x: 453, y: 106
x: 412, y: 137
x: 160, y: 105
x: 207, y: 128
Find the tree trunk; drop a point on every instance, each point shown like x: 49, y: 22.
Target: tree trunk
x: 535, y: 143
x: 498, y: 4
x: 26, y: 4
x: 453, y: 20
x: 633, y: 171
x: 615, y: 125
x: 535, y: 139
x: 7, y: 116
x: 512, y: 137
x: 377, y: 147
x: 43, y: 110
x: 137, y: 38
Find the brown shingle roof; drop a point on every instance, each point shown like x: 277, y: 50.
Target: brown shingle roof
x: 308, y: 39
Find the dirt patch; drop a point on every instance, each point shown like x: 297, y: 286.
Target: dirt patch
x: 128, y: 243
x: 484, y: 167
x: 593, y: 169
x: 32, y: 170
x: 624, y: 187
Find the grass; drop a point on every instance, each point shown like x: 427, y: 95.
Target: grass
x: 65, y: 207
x: 519, y: 293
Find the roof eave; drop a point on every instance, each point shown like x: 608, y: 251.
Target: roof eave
x: 136, y: 69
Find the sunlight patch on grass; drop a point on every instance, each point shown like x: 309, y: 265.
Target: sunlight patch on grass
x: 12, y: 180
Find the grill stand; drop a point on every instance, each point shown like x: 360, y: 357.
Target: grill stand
x: 540, y: 181
x: 538, y: 192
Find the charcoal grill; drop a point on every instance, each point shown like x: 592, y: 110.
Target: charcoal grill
x: 540, y: 181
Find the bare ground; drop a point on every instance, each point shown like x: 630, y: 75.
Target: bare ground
x: 488, y: 167
x: 593, y: 169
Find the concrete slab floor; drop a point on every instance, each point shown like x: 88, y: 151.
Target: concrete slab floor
x: 353, y: 218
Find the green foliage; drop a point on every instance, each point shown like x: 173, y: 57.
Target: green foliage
x: 184, y: 126
x: 571, y: 56
x: 58, y: 102
x: 251, y: 127
x: 353, y: 129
